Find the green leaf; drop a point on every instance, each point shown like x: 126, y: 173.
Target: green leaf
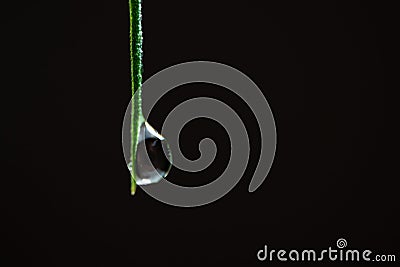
x: 135, y: 40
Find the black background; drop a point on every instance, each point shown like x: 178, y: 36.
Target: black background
x: 322, y: 66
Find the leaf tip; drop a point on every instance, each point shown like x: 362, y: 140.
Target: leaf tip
x: 133, y: 188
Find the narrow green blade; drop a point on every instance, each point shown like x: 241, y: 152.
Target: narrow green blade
x: 135, y: 40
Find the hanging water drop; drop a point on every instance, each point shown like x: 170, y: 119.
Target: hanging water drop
x: 153, y: 156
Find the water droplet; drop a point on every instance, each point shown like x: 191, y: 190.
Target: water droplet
x: 153, y: 156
